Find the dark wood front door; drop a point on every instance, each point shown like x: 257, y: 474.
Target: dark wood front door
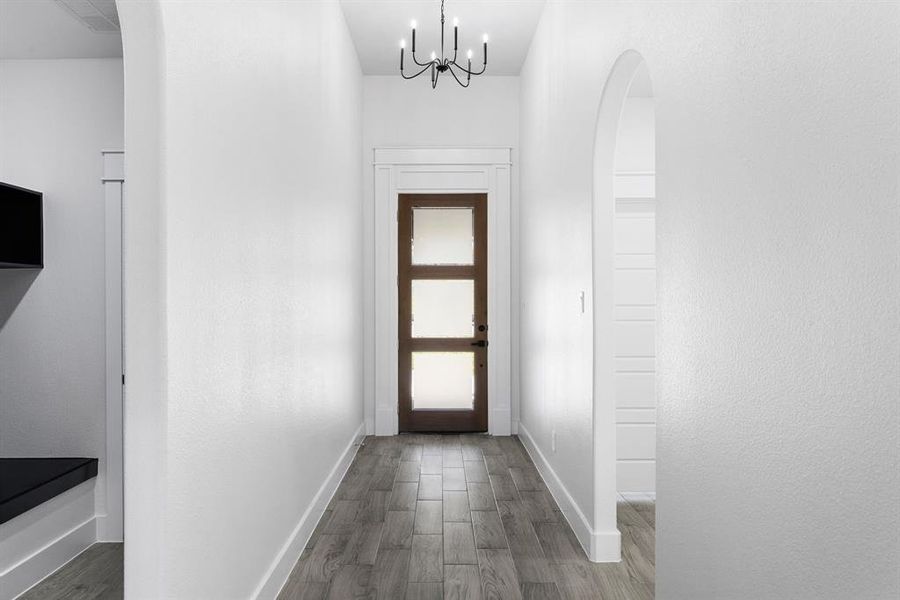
x: 443, y: 331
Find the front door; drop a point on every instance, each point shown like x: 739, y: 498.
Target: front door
x: 443, y: 331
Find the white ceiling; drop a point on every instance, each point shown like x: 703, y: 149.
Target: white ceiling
x: 377, y: 26
x: 48, y: 29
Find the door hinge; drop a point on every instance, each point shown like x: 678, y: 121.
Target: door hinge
x: 123, y: 378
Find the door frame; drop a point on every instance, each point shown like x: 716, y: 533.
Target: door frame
x: 110, y: 495
x: 417, y: 170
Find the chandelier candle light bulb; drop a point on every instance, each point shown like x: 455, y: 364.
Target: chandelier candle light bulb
x: 444, y: 64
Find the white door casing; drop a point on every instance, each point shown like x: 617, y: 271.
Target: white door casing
x: 438, y: 171
x: 110, y: 512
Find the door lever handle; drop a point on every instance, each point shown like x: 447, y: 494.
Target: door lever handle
x: 480, y: 343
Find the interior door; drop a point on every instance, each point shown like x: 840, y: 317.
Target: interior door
x: 443, y: 332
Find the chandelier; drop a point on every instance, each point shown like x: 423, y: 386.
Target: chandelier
x: 436, y: 65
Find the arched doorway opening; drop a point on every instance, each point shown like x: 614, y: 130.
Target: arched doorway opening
x: 623, y: 282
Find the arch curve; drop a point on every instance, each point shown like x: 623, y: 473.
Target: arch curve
x: 630, y: 68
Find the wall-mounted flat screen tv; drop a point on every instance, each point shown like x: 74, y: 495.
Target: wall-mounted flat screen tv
x: 21, y: 228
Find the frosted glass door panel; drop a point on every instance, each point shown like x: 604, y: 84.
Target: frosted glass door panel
x: 442, y: 331
x: 442, y: 236
x: 443, y: 308
x: 443, y: 380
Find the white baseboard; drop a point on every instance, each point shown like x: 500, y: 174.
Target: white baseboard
x: 638, y: 496
x: 500, y: 421
x: 109, y: 530
x: 46, y: 561
x: 278, y: 573
x: 599, y: 546
x: 42, y: 540
x: 386, y: 420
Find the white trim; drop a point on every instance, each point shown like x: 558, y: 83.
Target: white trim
x: 603, y: 261
x: 599, y: 546
x: 113, y: 165
x: 500, y: 416
x: 42, y: 540
x: 439, y: 170
x: 638, y: 496
x: 48, y: 560
x: 277, y: 574
x: 110, y: 492
x: 442, y: 155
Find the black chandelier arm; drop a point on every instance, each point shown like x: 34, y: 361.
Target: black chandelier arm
x: 452, y: 72
x: 416, y: 60
x: 405, y: 76
x: 467, y: 71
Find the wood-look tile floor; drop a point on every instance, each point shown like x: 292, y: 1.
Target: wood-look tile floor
x: 461, y: 517
x: 427, y: 516
x: 95, y: 574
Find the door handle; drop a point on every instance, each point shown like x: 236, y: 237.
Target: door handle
x: 480, y: 343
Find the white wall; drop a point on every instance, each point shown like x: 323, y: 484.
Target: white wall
x: 555, y: 270
x: 55, y: 118
x: 635, y: 345
x: 777, y: 161
x: 635, y: 297
x: 243, y: 285
x: 398, y: 112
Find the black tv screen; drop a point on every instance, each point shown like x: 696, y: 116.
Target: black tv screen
x: 21, y: 228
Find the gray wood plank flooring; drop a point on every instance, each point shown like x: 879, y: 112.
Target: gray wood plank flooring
x: 462, y: 517
x: 95, y: 574
x: 428, y: 516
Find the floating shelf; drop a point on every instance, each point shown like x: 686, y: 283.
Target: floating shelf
x: 29, y: 482
x: 21, y: 228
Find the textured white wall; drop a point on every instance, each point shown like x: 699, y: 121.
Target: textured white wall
x: 253, y: 267
x: 55, y: 118
x: 410, y: 113
x: 398, y: 112
x: 777, y: 161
